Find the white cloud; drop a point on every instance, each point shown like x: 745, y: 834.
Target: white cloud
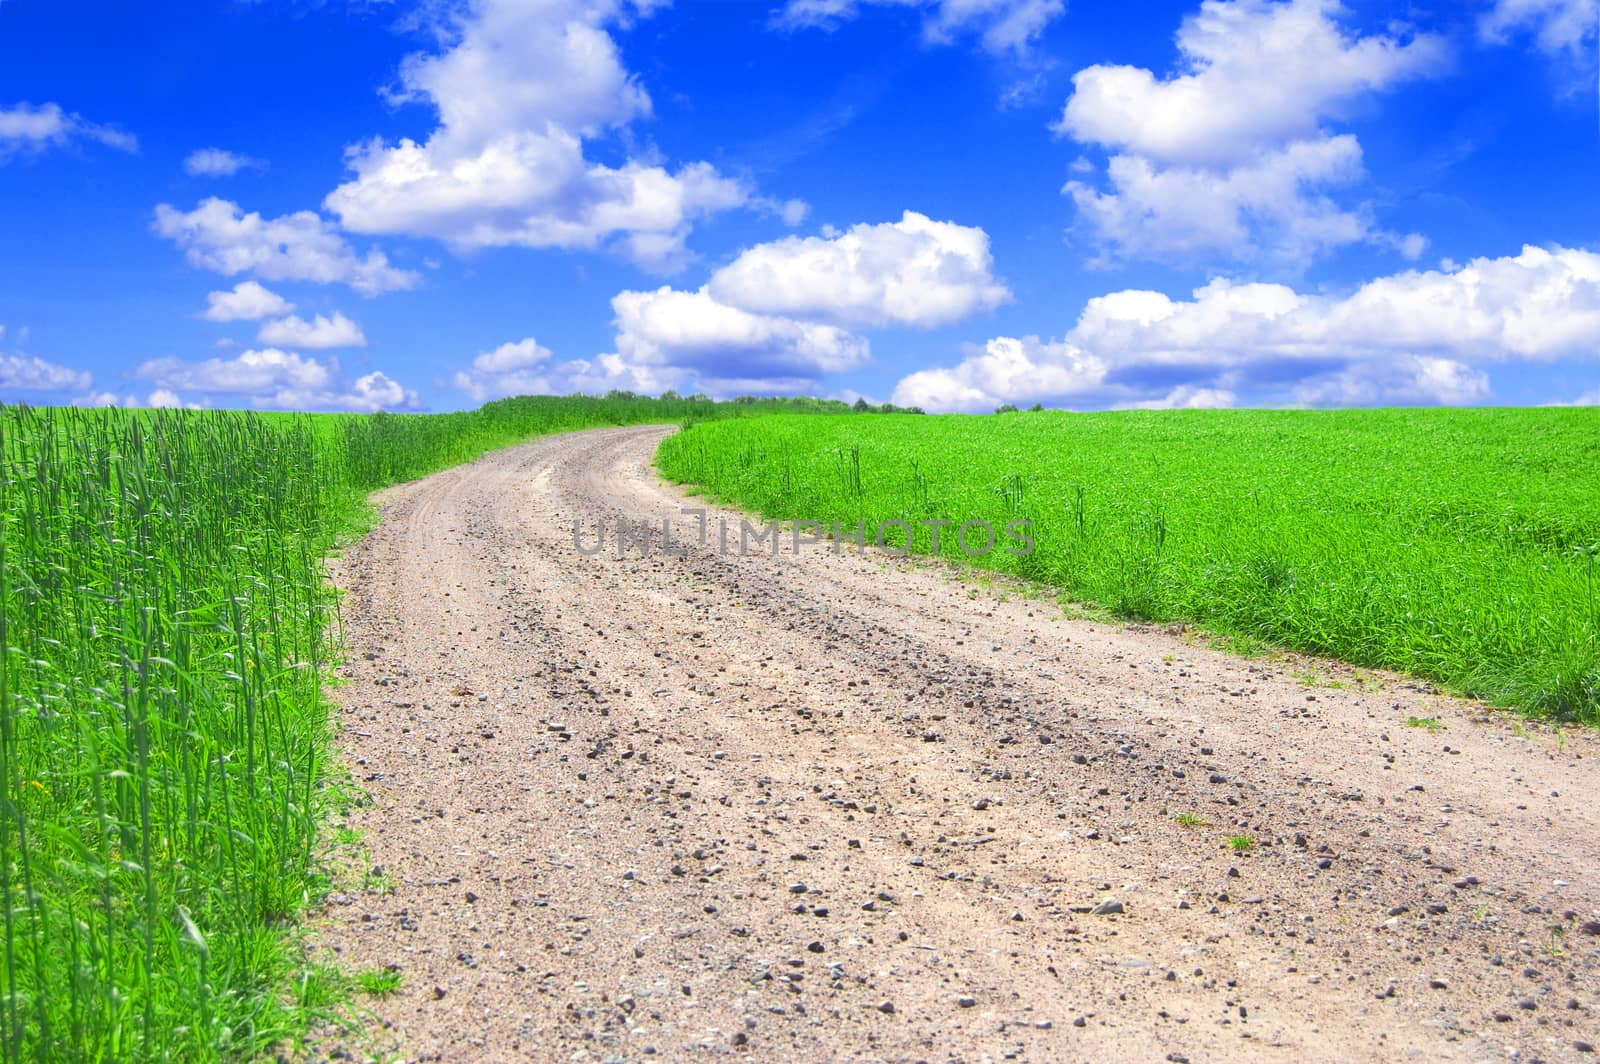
x: 1256, y: 73
x: 1006, y: 369
x: 527, y: 367
x: 29, y: 373
x: 1230, y: 154
x: 215, y: 162
x: 318, y: 334
x: 1187, y: 397
x: 25, y: 128
x: 782, y: 315
x: 272, y: 379
x: 1001, y: 25
x: 217, y: 235
x: 249, y: 373
x: 693, y: 331
x: 1413, y: 337
x: 1559, y: 27
x: 519, y: 87
x: 915, y: 272
x: 374, y: 392
x: 247, y: 301
x: 1404, y: 381
x: 158, y: 399
x: 1190, y: 213
x: 510, y: 369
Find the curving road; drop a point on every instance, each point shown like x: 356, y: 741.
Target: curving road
x: 838, y: 806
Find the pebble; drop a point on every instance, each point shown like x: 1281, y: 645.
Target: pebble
x: 1109, y: 907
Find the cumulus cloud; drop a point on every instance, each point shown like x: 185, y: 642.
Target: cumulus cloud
x: 1558, y: 27
x: 318, y: 334
x: 1006, y: 369
x: 518, y: 88
x: 781, y: 315
x: 1408, y: 380
x: 215, y: 162
x: 1154, y: 212
x: 29, y: 373
x: 1229, y: 154
x: 1001, y: 25
x: 1186, y: 397
x: 526, y: 367
x: 373, y: 392
x: 1413, y: 337
x: 693, y: 331
x: 510, y: 369
x: 161, y: 398
x: 249, y: 373
x: 26, y: 128
x: 915, y: 272
x: 246, y: 301
x: 273, y: 379
x: 218, y: 235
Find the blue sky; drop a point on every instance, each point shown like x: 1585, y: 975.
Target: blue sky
x: 425, y: 204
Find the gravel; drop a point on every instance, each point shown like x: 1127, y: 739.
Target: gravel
x: 668, y: 731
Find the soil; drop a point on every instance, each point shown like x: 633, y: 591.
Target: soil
x: 840, y: 805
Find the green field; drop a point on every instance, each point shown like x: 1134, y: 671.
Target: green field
x: 1458, y: 545
x: 165, y: 743
x: 164, y: 740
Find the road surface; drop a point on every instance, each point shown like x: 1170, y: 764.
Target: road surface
x: 841, y: 806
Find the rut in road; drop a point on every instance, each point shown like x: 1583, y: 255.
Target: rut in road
x: 837, y: 805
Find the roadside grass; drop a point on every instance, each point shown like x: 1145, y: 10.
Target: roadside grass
x: 167, y: 780
x: 380, y: 982
x: 1459, y: 546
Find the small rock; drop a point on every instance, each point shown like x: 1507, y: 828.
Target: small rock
x: 1109, y: 907
x: 886, y: 1007
x: 816, y: 947
x: 966, y: 1001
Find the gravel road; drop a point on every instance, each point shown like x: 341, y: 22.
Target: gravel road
x: 833, y: 806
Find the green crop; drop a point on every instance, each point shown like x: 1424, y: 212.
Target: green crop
x: 164, y: 738
x: 1458, y: 545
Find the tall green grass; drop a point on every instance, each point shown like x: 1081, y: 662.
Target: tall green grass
x: 1458, y: 545
x: 164, y: 740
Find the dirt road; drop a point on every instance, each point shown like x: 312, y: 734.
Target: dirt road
x: 835, y: 806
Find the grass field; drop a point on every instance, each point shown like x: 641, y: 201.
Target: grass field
x: 164, y: 742
x: 1458, y: 545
